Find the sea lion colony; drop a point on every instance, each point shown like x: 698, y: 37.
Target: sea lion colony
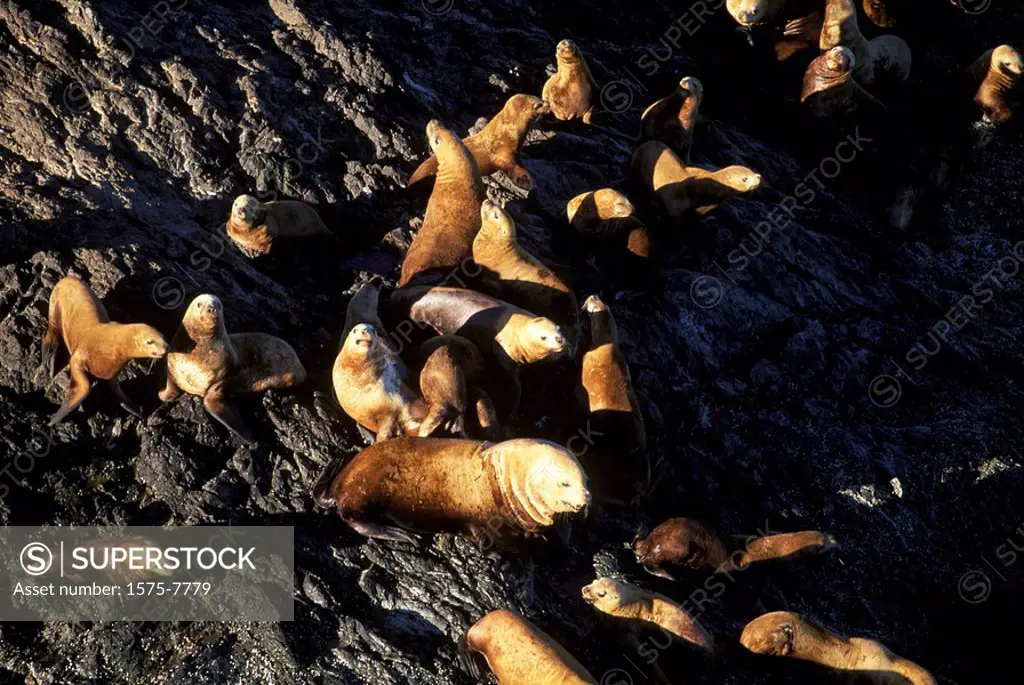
x: 463, y: 378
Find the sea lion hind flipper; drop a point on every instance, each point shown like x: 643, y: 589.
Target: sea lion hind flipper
x: 437, y: 415
x: 222, y: 410
x: 323, y: 489
x: 381, y: 532
x: 50, y: 344
x: 129, y: 405
x: 469, y: 662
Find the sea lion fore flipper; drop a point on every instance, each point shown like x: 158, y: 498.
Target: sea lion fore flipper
x: 221, y: 409
x: 77, y: 391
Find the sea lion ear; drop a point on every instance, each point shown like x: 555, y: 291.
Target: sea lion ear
x: 786, y: 648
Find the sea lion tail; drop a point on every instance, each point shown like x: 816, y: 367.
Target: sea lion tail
x: 323, y: 489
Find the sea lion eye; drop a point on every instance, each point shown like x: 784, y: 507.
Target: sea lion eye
x: 601, y: 593
x: 543, y: 337
x: 565, y: 484
x: 150, y: 342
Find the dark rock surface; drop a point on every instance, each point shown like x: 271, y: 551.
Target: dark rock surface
x: 126, y: 131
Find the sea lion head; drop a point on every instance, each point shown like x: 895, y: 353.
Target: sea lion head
x: 567, y: 51
x: 677, y: 542
x: 751, y: 12
x: 774, y: 634
x: 541, y: 339
x: 611, y: 204
x: 1008, y: 61
x: 362, y: 339
x: 538, y: 480
x: 246, y: 211
x: 437, y: 135
x: 496, y: 224
x: 840, y: 60
x: 525, y: 106
x: 606, y: 594
x: 204, y: 317
x: 740, y: 178
x: 146, y: 341
x: 593, y: 304
x: 692, y: 86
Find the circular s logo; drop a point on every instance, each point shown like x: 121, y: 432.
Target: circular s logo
x: 36, y: 558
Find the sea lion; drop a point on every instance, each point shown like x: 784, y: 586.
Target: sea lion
x: 204, y: 360
x: 995, y: 73
x: 451, y: 381
x: 685, y: 543
x: 452, y: 218
x: 672, y: 119
x: 631, y: 603
x: 516, y: 276
x: 596, y: 211
x: 784, y: 633
x: 753, y: 12
x: 368, y: 385
x: 884, y: 56
x: 613, y: 413
x: 99, y: 348
x: 497, y: 146
x: 681, y: 188
x: 570, y: 91
x: 793, y: 25
x: 363, y: 308
x: 518, y: 652
x: 255, y: 226
x: 829, y: 88
x: 880, y: 13
x: 487, y: 492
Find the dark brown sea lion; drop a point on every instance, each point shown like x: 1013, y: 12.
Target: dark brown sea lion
x: 520, y: 653
x: 484, y: 491
x: 99, y: 348
x: 829, y: 88
x: 571, y: 90
x: 886, y: 56
x: 673, y: 118
x: 497, y: 146
x: 255, y: 226
x: 452, y: 380
x: 995, y: 73
x: 204, y: 360
x: 445, y: 240
x: 680, y: 188
x: 783, y: 633
x: 638, y: 606
x: 688, y: 544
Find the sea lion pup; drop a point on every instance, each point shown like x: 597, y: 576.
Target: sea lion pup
x: 681, y: 188
x: 497, y: 146
x: 451, y: 381
x: 205, y: 361
x: 518, y: 652
x: 629, y: 602
x: 487, y: 492
x: 784, y: 633
x: 688, y: 544
x: 995, y: 73
x: 99, y: 348
x: 570, y: 91
x: 596, y: 211
x: 829, y: 88
x: 614, y: 417
x: 884, y: 56
x: 255, y: 226
x: 518, y: 277
x: 452, y: 219
x: 369, y: 387
x: 672, y: 119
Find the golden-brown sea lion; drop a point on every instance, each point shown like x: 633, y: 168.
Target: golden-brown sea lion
x: 99, y: 348
x: 793, y: 25
x: 613, y: 413
x: 487, y: 492
x: 829, y: 87
x: 255, y: 226
x: 497, y: 146
x: 452, y: 219
x: 518, y: 652
x: 685, y: 543
x: 784, y: 633
x: 452, y: 380
x: 631, y: 603
x: 886, y: 56
x: 681, y: 188
x: 995, y: 73
x: 596, y: 211
x: 672, y: 119
x: 753, y: 12
x: 369, y: 386
x: 204, y: 360
x: 516, y: 276
x: 571, y: 90
x: 363, y: 308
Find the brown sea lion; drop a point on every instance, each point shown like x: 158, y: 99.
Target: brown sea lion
x: 452, y: 380
x: 672, y: 119
x: 488, y: 492
x: 597, y: 211
x: 255, y: 226
x: 754, y: 12
x: 685, y: 543
x: 613, y: 413
x: 497, y: 146
x: 880, y: 13
x: 829, y: 88
x: 99, y: 348
x: 363, y: 308
x: 681, y: 188
x: 794, y: 25
x: 995, y: 73
x: 204, y: 360
x: 452, y: 218
x: 784, y: 633
x: 518, y: 652
x: 631, y: 603
x: 516, y: 276
x: 571, y: 90
x: 368, y: 385
x: 886, y: 56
